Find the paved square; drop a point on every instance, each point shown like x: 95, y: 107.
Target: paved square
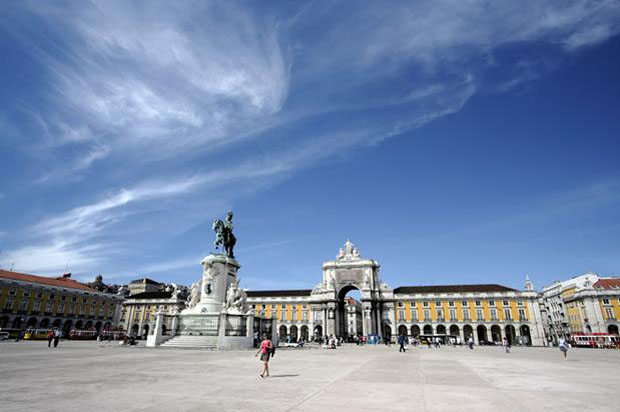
x: 90, y: 376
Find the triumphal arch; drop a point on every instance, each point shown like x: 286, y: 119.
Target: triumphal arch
x: 349, y: 271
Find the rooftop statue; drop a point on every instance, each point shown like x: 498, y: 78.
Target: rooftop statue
x: 224, y: 235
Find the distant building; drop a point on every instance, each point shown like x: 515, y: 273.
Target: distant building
x: 147, y: 298
x: 354, y: 317
x: 29, y: 301
x: 144, y: 285
x: 584, y: 304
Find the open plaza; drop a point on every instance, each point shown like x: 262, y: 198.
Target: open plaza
x: 92, y: 376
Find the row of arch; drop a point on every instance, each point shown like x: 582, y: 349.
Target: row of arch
x: 43, y: 323
x: 295, y: 333
x: 482, y: 333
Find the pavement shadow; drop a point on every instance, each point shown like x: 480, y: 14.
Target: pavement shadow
x: 282, y: 376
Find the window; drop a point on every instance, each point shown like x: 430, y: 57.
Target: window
x: 451, y: 303
x: 478, y: 303
x: 74, y: 299
x: 101, y: 311
x: 491, y: 303
x: 294, y: 313
x: 466, y: 315
x: 72, y: 309
x: 82, y: 309
x: 507, y: 314
x: 464, y: 303
x: 605, y: 301
x: 8, y: 304
x: 12, y: 291
x: 522, y: 314
x: 505, y: 303
x: 52, y: 296
x: 610, y: 313
x: 61, y: 308
x: 452, y: 314
x: 479, y: 315
x: 48, y: 307
x: 439, y: 314
x: 425, y: 304
x: 304, y: 316
x: 283, y: 306
x: 23, y: 304
x: 493, y: 314
x: 37, y: 306
x: 412, y: 304
x: 273, y: 307
x: 414, y: 314
x: 63, y: 298
x: 401, y: 315
x: 26, y: 293
x: 401, y: 304
x: 39, y: 295
x: 520, y: 302
x: 437, y: 303
x: 282, y: 315
x: 427, y: 314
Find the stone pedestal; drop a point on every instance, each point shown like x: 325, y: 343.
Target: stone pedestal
x: 218, y: 272
x: 217, y: 314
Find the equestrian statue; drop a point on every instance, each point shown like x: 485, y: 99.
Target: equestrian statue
x: 224, y: 235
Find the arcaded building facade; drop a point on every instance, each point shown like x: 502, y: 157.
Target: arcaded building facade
x: 486, y: 312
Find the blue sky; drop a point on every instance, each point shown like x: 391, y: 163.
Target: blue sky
x: 454, y: 142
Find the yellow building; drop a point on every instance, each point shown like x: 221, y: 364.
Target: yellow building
x: 487, y: 313
x: 29, y: 301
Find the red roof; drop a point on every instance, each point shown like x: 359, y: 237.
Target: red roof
x: 611, y: 283
x: 62, y: 282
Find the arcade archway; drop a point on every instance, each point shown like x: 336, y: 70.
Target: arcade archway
x: 511, y: 334
x: 293, y: 333
x: 304, y: 333
x: 526, y: 339
x: 468, y: 332
x: 482, y: 333
x: 415, y: 330
x: 496, y: 333
x: 612, y: 329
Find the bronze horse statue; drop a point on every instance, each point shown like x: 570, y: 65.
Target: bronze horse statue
x: 224, y: 236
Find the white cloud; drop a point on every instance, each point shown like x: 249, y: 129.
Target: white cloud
x: 158, y: 90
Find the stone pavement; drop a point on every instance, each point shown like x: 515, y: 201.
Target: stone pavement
x: 91, y: 376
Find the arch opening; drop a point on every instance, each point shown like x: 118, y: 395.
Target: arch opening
x: 349, y: 313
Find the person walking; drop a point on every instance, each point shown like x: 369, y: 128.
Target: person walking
x: 564, y: 346
x: 506, y: 345
x: 56, y: 337
x: 401, y: 342
x: 266, y: 347
x: 50, y: 338
x: 470, y: 343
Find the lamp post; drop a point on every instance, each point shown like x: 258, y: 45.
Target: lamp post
x: 19, y: 331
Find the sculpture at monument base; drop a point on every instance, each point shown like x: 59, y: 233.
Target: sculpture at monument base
x: 217, y: 314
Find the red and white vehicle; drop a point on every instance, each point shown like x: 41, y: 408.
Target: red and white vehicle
x: 596, y: 340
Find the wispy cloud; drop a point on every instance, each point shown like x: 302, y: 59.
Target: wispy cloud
x: 138, y: 93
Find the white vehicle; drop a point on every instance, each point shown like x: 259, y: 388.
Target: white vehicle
x: 4, y: 336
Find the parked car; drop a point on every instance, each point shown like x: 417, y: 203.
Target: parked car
x: 4, y: 336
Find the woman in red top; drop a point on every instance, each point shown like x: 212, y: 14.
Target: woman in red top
x: 265, y: 350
